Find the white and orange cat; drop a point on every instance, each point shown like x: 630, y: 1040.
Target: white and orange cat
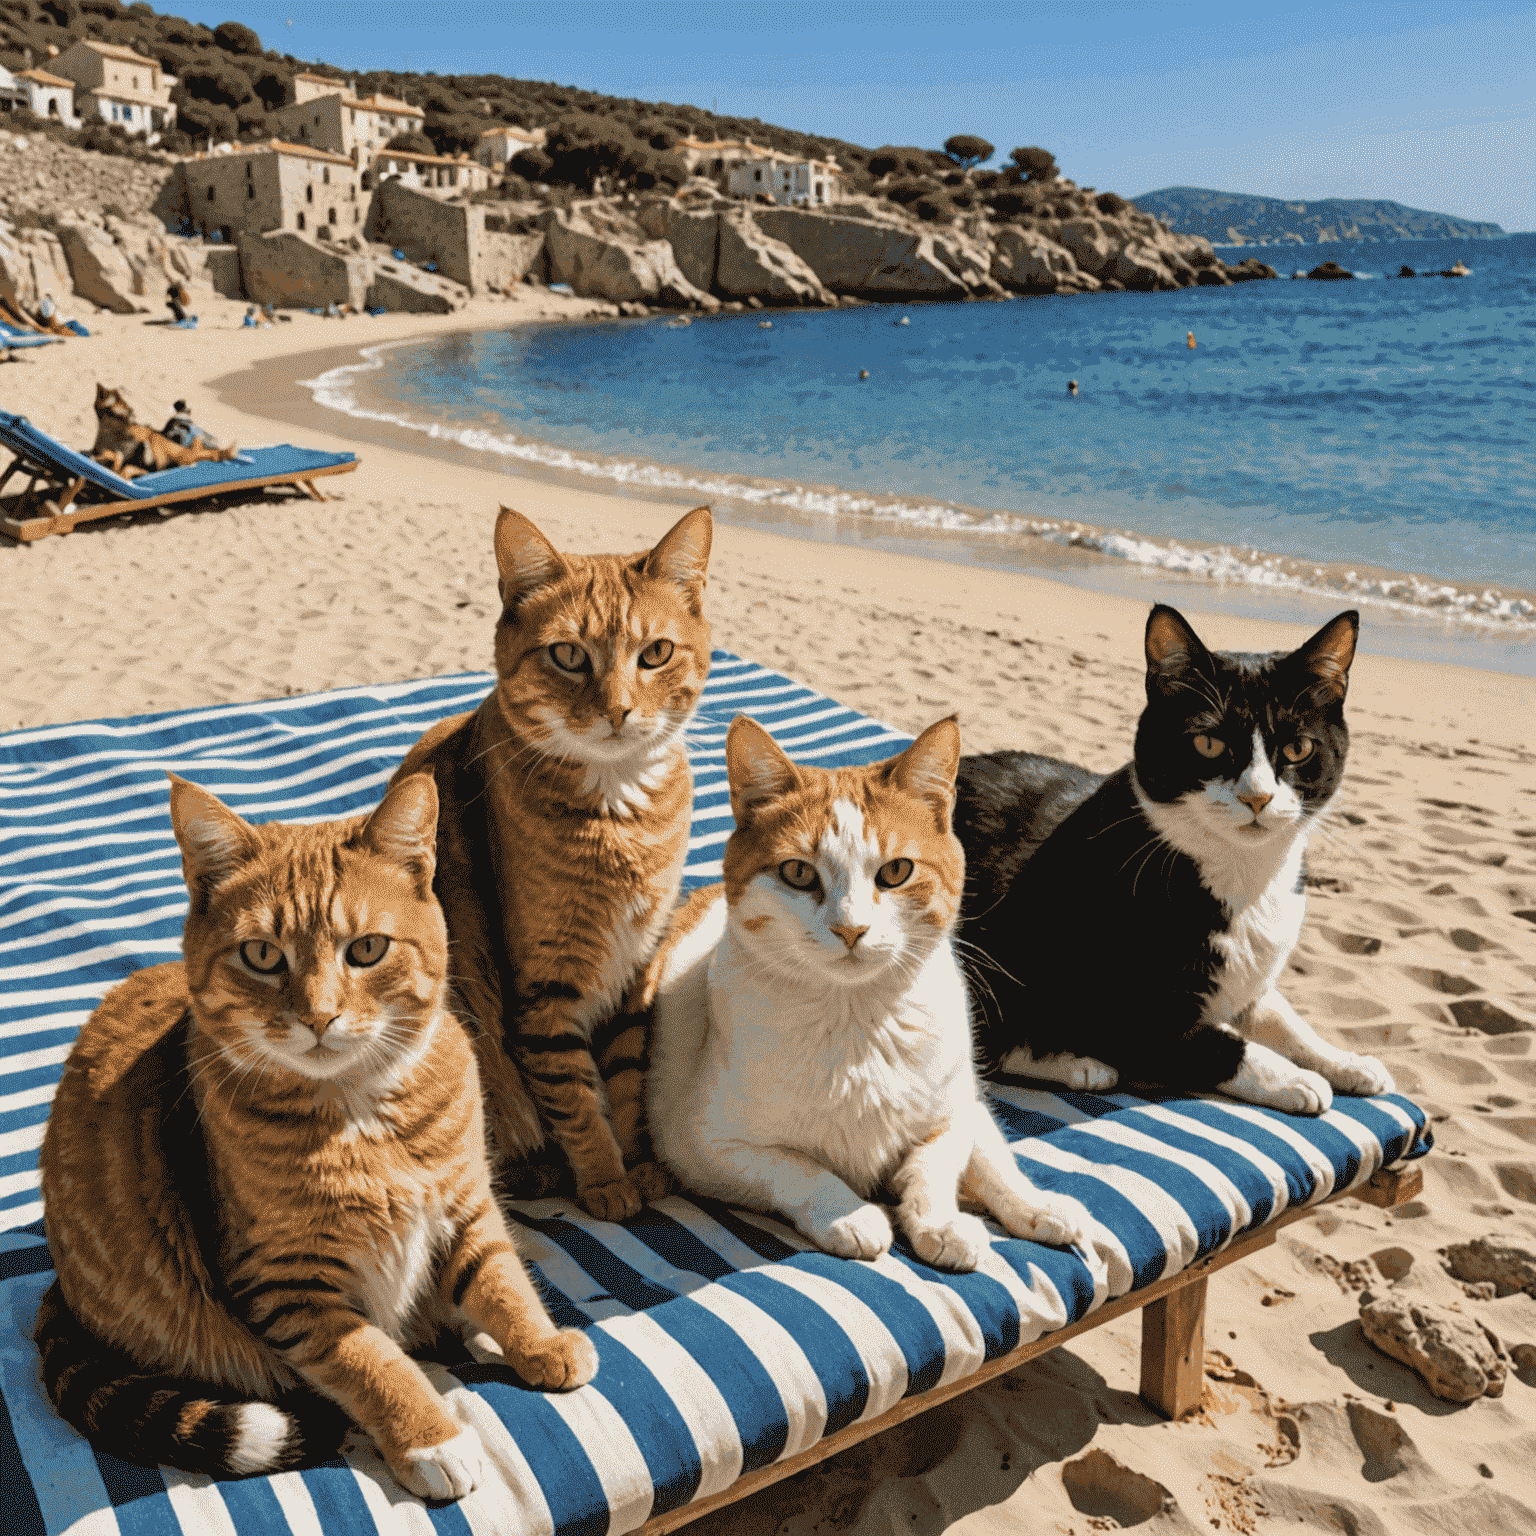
x: 811, y: 1048
x: 265, y: 1172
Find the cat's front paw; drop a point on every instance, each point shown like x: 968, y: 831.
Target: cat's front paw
x: 1058, y: 1221
x: 611, y: 1202
x: 560, y: 1362
x: 862, y: 1233
x: 652, y: 1180
x: 446, y: 1471
x: 1307, y: 1093
x: 1357, y: 1074
x: 957, y: 1245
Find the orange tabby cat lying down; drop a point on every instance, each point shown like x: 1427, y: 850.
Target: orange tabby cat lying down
x: 566, y: 806
x: 265, y: 1171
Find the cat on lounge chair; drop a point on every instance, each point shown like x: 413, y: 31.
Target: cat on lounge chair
x: 1137, y: 924
x: 131, y: 449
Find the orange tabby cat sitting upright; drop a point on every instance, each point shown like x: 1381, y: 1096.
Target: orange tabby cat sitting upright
x: 265, y: 1171
x: 566, y: 802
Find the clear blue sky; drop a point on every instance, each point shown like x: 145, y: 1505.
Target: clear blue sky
x: 1431, y: 104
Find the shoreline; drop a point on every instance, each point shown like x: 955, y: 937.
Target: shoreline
x: 1086, y: 557
x: 1421, y: 880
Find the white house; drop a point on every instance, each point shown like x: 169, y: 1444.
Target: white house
x: 446, y: 175
x: 808, y: 183
x: 47, y: 95
x: 505, y: 142
x: 119, y: 86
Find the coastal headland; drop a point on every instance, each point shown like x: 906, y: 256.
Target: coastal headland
x: 1417, y: 946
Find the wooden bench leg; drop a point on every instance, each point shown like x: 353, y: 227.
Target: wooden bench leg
x: 1173, y: 1351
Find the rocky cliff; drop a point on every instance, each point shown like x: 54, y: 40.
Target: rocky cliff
x: 1235, y: 218
x: 72, y: 221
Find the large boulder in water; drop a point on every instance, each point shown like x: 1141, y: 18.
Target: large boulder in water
x: 604, y: 255
x: 1029, y: 263
x: 867, y: 257
x: 1329, y: 272
x: 1250, y: 271
x: 721, y: 249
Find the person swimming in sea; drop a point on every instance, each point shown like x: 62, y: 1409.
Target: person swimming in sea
x: 1189, y: 340
x: 1071, y: 386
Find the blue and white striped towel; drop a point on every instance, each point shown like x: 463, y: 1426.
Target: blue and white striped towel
x: 725, y: 1344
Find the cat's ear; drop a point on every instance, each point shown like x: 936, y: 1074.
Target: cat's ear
x: 525, y: 559
x: 1327, y: 655
x: 928, y: 767
x: 214, y: 841
x: 1173, y: 648
x: 403, y: 827
x: 682, y: 554
x: 756, y: 766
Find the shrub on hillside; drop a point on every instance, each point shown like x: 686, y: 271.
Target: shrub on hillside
x: 1035, y: 164
x: 412, y: 144
x: 966, y: 149
x: 1111, y: 203
x: 233, y: 38
x: 896, y: 160
x: 532, y: 164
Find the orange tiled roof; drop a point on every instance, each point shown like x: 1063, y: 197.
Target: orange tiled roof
x: 42, y: 77
x: 114, y: 51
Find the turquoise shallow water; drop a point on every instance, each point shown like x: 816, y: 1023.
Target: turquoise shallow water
x: 1374, y: 438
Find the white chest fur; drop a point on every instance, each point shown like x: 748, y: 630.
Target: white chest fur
x: 397, y: 1270
x: 852, y: 1078
x: 1259, y: 888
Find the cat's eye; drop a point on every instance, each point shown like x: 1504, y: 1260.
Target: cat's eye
x: 1300, y: 750
x: 797, y: 873
x: 897, y: 872
x: 264, y: 958
x: 368, y: 950
x: 568, y: 657
x: 1210, y: 746
x: 657, y: 654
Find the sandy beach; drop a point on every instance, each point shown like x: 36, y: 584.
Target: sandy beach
x: 1426, y: 900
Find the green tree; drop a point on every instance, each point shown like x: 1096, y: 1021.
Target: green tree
x: 233, y: 38
x: 966, y: 150
x: 1035, y: 164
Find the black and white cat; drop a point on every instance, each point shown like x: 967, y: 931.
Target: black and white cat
x: 1137, y: 924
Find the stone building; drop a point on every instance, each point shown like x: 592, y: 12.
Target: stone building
x: 118, y: 86
x: 46, y: 95
x: 794, y: 183
x: 340, y: 122
x: 505, y: 142
x: 262, y: 187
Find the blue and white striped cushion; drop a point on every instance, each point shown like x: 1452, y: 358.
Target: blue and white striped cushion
x: 725, y: 1344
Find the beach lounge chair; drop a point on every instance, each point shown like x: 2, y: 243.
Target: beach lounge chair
x: 66, y: 488
x: 731, y: 1355
x: 13, y: 339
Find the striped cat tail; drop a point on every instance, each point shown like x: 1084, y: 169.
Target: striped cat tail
x: 155, y: 1419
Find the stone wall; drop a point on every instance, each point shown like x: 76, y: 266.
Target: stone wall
x: 286, y: 270
x: 450, y: 235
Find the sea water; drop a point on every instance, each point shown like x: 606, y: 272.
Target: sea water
x: 1372, y: 440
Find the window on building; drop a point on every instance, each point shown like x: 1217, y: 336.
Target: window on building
x: 250, y: 192
x: 210, y: 194
x: 357, y: 216
x: 330, y: 214
x: 301, y: 219
x: 309, y: 193
x: 325, y: 174
x: 247, y: 170
x: 757, y: 175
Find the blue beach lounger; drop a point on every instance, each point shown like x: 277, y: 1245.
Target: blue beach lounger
x: 66, y: 488
x: 731, y: 1353
x: 13, y: 339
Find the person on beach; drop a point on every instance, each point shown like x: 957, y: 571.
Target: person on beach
x: 49, y: 318
x: 182, y: 430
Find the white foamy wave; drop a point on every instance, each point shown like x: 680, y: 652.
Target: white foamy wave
x: 1485, y: 608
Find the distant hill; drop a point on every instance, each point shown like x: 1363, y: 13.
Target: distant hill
x: 1234, y: 218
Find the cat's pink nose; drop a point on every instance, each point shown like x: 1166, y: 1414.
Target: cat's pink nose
x: 1255, y: 801
x: 848, y: 933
